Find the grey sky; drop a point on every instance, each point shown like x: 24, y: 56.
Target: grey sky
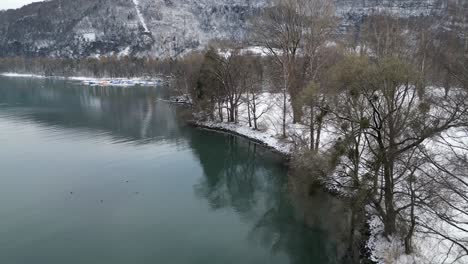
x: 7, y: 4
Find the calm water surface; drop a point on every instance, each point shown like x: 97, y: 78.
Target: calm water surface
x: 112, y: 175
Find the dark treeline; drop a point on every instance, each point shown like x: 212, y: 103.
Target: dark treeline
x: 113, y: 67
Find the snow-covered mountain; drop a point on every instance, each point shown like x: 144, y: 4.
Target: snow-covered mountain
x: 81, y: 28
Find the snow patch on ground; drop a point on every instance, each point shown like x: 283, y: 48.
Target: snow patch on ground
x: 125, y: 52
x: 90, y: 37
x: 428, y: 248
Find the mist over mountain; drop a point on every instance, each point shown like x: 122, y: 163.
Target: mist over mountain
x: 158, y: 28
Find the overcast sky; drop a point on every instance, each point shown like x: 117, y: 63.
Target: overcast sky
x: 7, y: 4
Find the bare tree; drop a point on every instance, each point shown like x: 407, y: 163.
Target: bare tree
x: 292, y: 32
x: 254, y: 81
x: 454, y: 44
x: 185, y: 74
x: 228, y: 70
x: 397, y: 120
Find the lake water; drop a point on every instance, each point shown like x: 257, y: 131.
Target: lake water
x: 112, y: 175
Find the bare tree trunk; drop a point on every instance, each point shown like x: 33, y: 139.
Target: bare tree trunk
x: 254, y: 105
x: 231, y: 115
x: 296, y: 108
x: 284, y: 112
x: 319, y: 130
x: 391, y: 214
x: 220, y: 111
x: 248, y: 113
x: 228, y: 116
x: 409, y: 236
x: 232, y: 111
x: 285, y: 91
x: 312, y: 128
x: 212, y: 108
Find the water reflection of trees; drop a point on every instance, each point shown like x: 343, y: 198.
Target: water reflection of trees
x: 126, y: 114
x: 230, y: 173
x: 256, y: 187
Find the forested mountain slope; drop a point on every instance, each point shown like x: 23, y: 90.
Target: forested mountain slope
x: 158, y: 28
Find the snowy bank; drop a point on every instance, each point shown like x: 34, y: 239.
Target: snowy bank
x: 269, y: 111
x: 269, y: 108
x: 269, y: 141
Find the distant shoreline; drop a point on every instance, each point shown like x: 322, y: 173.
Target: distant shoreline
x: 92, y: 81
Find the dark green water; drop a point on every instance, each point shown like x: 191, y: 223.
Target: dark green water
x: 111, y: 175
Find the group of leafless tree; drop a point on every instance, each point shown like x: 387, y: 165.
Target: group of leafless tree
x: 219, y: 82
x: 110, y: 67
x: 397, y: 100
x: 395, y: 95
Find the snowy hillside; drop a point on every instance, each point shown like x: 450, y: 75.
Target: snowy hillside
x: 82, y: 28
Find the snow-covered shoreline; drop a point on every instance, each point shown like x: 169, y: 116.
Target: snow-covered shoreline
x: 268, y: 132
x: 269, y: 110
x: 268, y: 141
x: 92, y: 81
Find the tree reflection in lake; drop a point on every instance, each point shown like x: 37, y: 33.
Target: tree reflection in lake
x: 284, y: 218
x: 126, y: 114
